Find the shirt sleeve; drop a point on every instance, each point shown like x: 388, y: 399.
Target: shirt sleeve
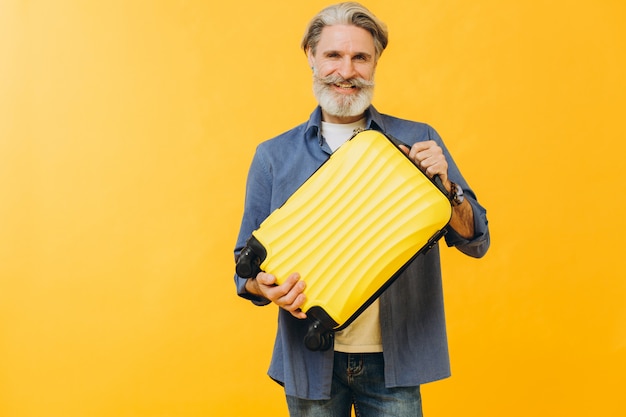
x: 478, y: 245
x: 256, y: 209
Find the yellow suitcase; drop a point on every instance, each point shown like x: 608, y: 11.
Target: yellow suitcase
x: 349, y: 230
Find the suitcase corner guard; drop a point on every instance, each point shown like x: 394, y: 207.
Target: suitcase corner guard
x: 250, y: 258
x: 320, y: 333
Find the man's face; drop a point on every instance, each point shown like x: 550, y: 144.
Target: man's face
x: 343, y: 72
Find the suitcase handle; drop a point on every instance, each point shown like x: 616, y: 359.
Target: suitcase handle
x: 436, y: 180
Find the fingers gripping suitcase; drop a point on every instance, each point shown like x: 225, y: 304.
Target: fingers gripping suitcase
x: 349, y: 231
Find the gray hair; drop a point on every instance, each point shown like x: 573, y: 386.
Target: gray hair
x: 349, y: 13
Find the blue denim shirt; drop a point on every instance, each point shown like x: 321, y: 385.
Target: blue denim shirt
x: 415, y: 346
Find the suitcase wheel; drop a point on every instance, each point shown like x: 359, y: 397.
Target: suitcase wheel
x: 317, y: 337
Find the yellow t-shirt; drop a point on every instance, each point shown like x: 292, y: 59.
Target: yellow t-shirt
x: 363, y: 334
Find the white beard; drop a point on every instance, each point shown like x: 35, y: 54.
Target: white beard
x: 342, y: 105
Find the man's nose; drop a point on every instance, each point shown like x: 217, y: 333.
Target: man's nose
x: 347, y: 69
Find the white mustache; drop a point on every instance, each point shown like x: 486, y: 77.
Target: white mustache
x: 338, y: 79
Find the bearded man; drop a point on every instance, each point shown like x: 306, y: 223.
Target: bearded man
x: 378, y: 363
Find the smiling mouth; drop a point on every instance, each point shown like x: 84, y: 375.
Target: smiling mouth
x: 344, y: 86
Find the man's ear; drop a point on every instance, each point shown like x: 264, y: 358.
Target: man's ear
x: 310, y: 58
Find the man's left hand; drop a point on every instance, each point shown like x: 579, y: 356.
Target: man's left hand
x: 429, y: 157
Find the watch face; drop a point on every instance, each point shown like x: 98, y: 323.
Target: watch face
x: 456, y: 194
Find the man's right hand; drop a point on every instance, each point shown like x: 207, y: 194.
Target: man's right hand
x: 288, y: 295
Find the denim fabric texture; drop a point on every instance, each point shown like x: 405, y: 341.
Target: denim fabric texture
x: 358, y: 382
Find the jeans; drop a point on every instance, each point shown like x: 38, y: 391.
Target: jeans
x: 358, y: 379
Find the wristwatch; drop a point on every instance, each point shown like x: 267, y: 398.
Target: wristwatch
x: 456, y: 195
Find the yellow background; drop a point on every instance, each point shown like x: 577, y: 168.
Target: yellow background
x: 126, y: 130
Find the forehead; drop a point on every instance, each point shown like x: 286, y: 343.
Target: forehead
x: 346, y: 38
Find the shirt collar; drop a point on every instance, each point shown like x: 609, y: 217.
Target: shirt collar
x: 373, y: 121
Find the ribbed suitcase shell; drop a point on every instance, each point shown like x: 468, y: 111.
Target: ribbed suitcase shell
x: 352, y: 225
